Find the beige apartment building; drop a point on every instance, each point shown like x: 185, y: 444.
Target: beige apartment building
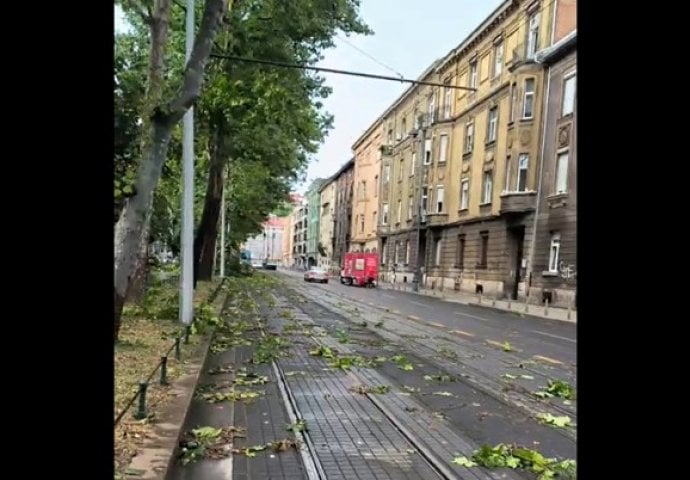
x: 367, y: 167
x: 470, y: 159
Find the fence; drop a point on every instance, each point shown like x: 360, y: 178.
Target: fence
x: 162, y: 365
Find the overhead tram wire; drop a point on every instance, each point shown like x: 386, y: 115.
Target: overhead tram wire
x: 337, y: 71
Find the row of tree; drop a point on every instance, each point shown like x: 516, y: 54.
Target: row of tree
x: 255, y: 126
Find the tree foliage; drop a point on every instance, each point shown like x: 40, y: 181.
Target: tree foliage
x: 271, y: 121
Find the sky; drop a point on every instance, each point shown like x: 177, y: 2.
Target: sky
x: 408, y: 36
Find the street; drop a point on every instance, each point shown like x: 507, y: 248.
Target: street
x: 382, y: 384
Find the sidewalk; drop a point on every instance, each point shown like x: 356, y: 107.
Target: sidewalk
x: 518, y: 307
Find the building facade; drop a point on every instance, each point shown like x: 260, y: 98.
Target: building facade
x: 344, y: 193
x: 313, y: 223
x: 555, y: 252
x: 367, y: 155
x: 289, y: 232
x: 327, y: 222
x: 299, y: 234
x: 474, y: 153
x: 267, y: 245
x: 402, y: 176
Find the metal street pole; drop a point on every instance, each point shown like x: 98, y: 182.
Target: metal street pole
x: 222, y: 229
x: 420, y: 184
x: 187, y: 240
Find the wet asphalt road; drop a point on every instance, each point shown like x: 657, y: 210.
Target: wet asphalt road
x: 534, y: 336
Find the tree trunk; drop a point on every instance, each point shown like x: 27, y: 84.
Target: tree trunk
x: 137, y: 290
x: 207, y: 232
x: 136, y: 214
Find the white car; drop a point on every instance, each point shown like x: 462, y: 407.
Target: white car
x: 316, y: 274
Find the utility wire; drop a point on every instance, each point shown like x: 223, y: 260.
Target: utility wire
x: 334, y: 70
x: 369, y: 56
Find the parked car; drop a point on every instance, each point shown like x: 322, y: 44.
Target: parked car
x: 316, y: 274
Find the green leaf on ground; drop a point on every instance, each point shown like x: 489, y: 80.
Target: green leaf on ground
x: 298, y: 426
x: 557, y: 421
x: 463, y: 461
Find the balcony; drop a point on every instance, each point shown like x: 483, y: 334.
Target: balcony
x: 521, y: 56
x: 435, y: 219
x: 518, y: 202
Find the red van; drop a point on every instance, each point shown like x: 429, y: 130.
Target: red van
x: 360, y: 269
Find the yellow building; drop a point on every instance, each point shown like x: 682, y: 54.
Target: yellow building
x: 477, y: 178
x: 367, y: 155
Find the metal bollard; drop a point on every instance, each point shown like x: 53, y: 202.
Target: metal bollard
x: 187, y: 331
x: 527, y: 303
x: 480, y: 298
x: 510, y: 299
x: 177, y: 348
x: 546, y: 308
x: 141, y: 413
x: 164, y: 370
x: 493, y: 302
x: 569, y: 305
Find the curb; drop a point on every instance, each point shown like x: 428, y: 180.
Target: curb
x: 156, y: 457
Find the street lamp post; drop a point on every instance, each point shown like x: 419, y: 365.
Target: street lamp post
x: 187, y: 234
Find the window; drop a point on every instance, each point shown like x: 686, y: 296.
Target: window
x: 363, y: 189
x: 459, y: 261
x: 373, y: 220
x: 384, y: 251
x: 376, y: 186
x: 390, y: 136
x: 417, y: 121
x: 384, y: 219
x: 498, y: 59
x: 447, y: 99
x: 568, y: 96
x: 400, y: 170
x: 443, y: 149
x: 407, y: 252
x: 491, y: 129
x: 410, y: 207
x: 427, y: 151
x: 439, y: 247
x: 488, y: 187
x: 473, y: 75
x: 431, y: 111
x: 483, y: 248
x: 395, y: 252
x: 554, y: 252
x: 469, y: 137
x: 528, y: 104
x: 562, y: 172
x: 399, y: 210
x: 513, y: 101
x: 523, y: 164
x: 425, y: 197
x: 464, y: 194
x: 413, y: 163
x: 533, y: 34
x: 386, y: 174
x: 404, y: 127
x: 361, y: 224
x: 439, y: 198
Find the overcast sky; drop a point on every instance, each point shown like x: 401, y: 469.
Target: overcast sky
x: 408, y: 36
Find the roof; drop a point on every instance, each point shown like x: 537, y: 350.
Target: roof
x: 557, y: 50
